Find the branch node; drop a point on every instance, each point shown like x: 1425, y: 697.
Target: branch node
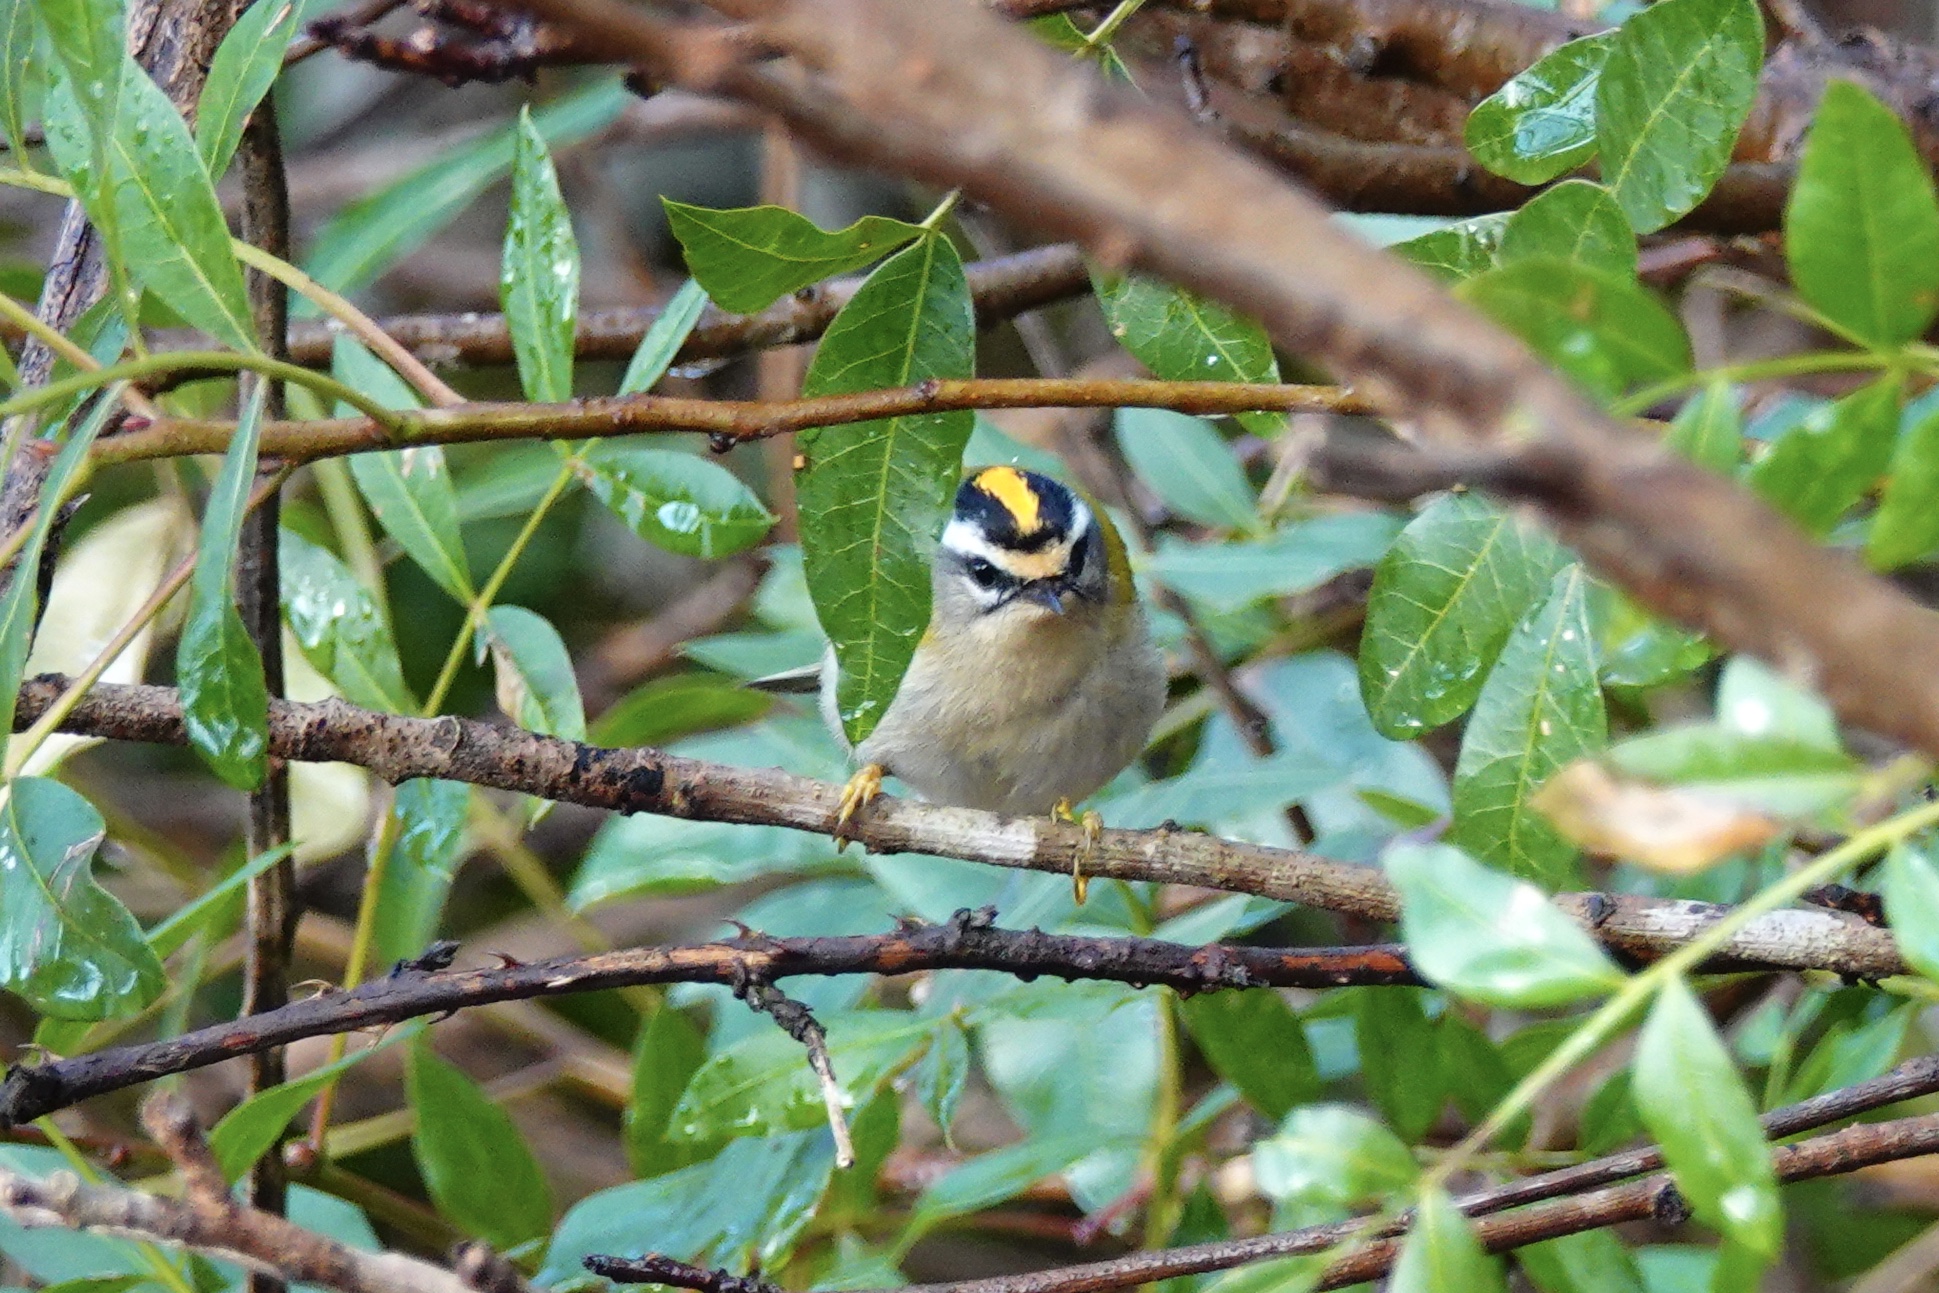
x: 799, y: 1022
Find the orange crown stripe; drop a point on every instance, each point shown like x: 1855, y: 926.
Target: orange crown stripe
x: 1019, y: 498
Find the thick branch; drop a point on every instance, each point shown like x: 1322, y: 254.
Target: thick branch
x: 652, y: 781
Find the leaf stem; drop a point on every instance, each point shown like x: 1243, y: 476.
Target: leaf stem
x: 1105, y: 30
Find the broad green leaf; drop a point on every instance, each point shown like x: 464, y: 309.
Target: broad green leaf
x: 539, y: 277
x: 677, y: 501
x: 1637, y: 649
x: 1440, y: 1253
x: 476, y: 1165
x: 1906, y: 526
x: 1713, y: 1145
x: 225, y: 702
x: 67, y: 946
x: 1851, y: 1051
x: 1540, y: 708
x: 1444, y: 600
x: 751, y: 257
x: 1758, y: 701
x: 1254, y: 1041
x: 1861, y: 229
x: 1184, y: 338
x: 1389, y: 1022
x: 1574, y: 221
x: 664, y: 339
x: 244, y: 67
x: 1709, y: 430
x: 138, y: 175
x: 743, y: 1210
x: 536, y: 686
x: 874, y: 497
x: 1824, y: 464
x: 942, y: 1075
x: 1189, y: 466
x: 1542, y: 123
x: 340, y: 627
x: 247, y: 1131
x: 24, y: 54
x: 1604, y: 330
x: 667, y: 709
x: 1778, y: 774
x: 1489, y: 937
x: 1000, y: 1174
x: 20, y: 602
x: 1458, y: 251
x: 669, y: 1051
x: 372, y: 233
x: 429, y: 818
x: 1679, y: 79
x: 1911, y: 889
x: 763, y: 1083
x: 1332, y: 1153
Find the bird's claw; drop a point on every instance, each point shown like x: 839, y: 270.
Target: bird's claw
x: 1093, y: 826
x: 861, y: 790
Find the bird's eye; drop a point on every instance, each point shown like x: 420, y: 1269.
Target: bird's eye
x: 982, y: 573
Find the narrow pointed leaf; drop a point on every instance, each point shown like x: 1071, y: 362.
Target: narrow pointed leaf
x: 1540, y: 708
x: 1713, y: 1145
x: 225, y: 701
x: 1861, y: 229
x: 244, y: 67
x: 1489, y: 937
x: 677, y: 501
x: 874, y: 497
x: 339, y: 626
x: 247, y: 1131
x: 536, y: 687
x: 67, y: 946
x: 476, y: 1165
x: 24, y: 53
x: 1678, y: 82
x: 1440, y: 1253
x: 539, y: 279
x: 1254, y: 1041
x: 751, y: 257
x: 670, y: 1049
x: 1542, y: 123
x: 1184, y: 338
x: 664, y: 339
x: 429, y: 819
x: 1444, y: 599
x: 1912, y: 907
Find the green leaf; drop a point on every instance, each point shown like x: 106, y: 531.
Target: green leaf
x: 476, y: 1165
x: 669, y: 1052
x: 1757, y: 701
x: 1778, y: 774
x: 339, y: 626
x: 1458, y: 251
x: 663, y: 340
x: 666, y: 709
x: 1713, y: 1145
x: 20, y: 602
x: 874, y: 497
x: 429, y: 819
x: 1254, y: 1041
x: 1709, y: 430
x: 1911, y: 888
x: 1189, y: 466
x: 369, y: 235
x: 1594, y: 1261
x: 1440, y: 1253
x: 1540, y: 708
x: 751, y: 257
x: 24, y: 55
x: 942, y: 1075
x: 1635, y: 648
x: 1542, y: 123
x: 1332, y: 1153
x: 67, y: 946
x: 1489, y: 937
x: 1184, y: 338
x: 743, y: 1210
x: 1861, y: 228
x: 1906, y: 525
x: 136, y: 171
x: 185, y: 922
x: 1444, y: 600
x: 1824, y: 464
x: 244, y: 67
x: 1574, y: 221
x: 247, y: 1131
x: 1679, y: 80
x: 225, y: 702
x: 1604, y: 330
x: 763, y: 1083
x: 539, y: 278
x: 1388, y: 1022
x: 536, y: 686
x: 1000, y: 1174
x: 677, y: 501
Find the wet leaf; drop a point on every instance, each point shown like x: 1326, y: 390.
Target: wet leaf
x: 1185, y: 338
x: 1574, y: 221
x: 749, y: 258
x: 429, y: 819
x: 1826, y: 463
x: 663, y: 340
x: 677, y: 501
x: 1542, y: 123
x: 998, y: 1175
x: 536, y: 686
x: 539, y: 278
x: 340, y: 627
x: 1604, y: 330
x: 1458, y: 251
x: 669, y: 1051
x: 24, y: 55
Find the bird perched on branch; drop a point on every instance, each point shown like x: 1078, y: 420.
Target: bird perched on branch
x: 1037, y: 681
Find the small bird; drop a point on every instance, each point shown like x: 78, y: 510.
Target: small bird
x: 1037, y: 681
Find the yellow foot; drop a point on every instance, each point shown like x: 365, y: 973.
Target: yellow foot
x: 1080, y: 884
x: 861, y: 790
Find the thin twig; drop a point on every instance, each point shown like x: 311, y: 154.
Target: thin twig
x: 799, y: 1022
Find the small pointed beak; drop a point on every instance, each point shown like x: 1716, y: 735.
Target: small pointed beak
x: 1046, y: 594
